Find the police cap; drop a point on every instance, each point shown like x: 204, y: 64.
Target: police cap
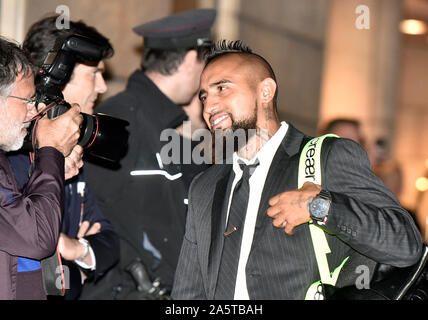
x: 189, y: 29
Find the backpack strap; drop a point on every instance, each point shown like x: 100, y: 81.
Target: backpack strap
x: 310, y: 170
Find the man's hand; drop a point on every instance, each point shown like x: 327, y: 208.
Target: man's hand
x: 83, y: 230
x: 290, y: 208
x: 71, y: 249
x: 73, y: 162
x: 62, y: 133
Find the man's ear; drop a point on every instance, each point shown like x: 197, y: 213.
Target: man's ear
x: 267, y: 89
x: 190, y: 58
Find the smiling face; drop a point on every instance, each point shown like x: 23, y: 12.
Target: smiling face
x: 15, y: 114
x: 228, y: 93
x: 86, y: 84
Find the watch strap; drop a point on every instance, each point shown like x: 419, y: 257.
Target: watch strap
x: 86, y: 244
x: 324, y: 194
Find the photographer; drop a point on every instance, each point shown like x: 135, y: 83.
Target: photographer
x: 30, y: 217
x: 88, y: 244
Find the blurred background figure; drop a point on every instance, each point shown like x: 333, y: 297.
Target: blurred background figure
x: 345, y: 128
x: 195, y: 123
x: 421, y: 207
x: 385, y: 167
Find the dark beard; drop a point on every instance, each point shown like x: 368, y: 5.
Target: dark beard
x: 246, y: 124
x: 240, y: 131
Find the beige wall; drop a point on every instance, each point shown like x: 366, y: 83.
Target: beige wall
x: 115, y: 19
x: 12, y: 19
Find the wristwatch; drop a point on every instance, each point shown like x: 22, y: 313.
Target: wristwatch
x: 86, y: 244
x: 319, y: 207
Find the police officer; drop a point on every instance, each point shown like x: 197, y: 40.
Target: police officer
x: 145, y: 199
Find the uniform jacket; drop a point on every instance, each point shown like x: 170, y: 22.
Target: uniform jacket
x: 31, y: 217
x: 365, y: 217
x: 105, y: 244
x: 148, y: 211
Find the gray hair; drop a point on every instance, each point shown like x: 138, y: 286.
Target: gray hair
x: 13, y: 61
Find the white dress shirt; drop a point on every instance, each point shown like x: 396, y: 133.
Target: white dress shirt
x: 257, y: 181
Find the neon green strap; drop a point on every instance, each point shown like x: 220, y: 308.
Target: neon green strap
x: 310, y: 161
x: 310, y: 170
x: 311, y: 294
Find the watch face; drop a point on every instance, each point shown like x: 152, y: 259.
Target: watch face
x: 319, y: 208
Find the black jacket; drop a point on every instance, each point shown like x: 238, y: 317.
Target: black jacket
x: 148, y: 211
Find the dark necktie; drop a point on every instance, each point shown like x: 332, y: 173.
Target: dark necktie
x: 233, y: 235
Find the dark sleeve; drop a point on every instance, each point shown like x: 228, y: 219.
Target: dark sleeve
x: 105, y: 244
x: 365, y: 213
x: 188, y: 283
x: 30, y: 220
x: 74, y: 281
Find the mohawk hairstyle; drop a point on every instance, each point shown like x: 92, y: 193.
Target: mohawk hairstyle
x: 224, y: 47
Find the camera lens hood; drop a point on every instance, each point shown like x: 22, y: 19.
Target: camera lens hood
x: 109, y: 139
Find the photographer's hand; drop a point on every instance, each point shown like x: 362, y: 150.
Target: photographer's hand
x: 73, y: 162
x: 71, y: 249
x: 62, y: 133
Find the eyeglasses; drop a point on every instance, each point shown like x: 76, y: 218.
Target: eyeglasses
x: 30, y: 102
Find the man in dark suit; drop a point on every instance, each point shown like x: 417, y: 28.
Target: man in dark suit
x: 267, y: 253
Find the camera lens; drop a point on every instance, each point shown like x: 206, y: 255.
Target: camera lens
x: 104, y: 136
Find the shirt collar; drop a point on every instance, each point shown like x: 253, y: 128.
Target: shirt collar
x: 266, y: 153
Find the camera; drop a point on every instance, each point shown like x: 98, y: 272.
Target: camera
x: 101, y: 135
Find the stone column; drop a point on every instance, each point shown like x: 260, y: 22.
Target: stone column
x: 12, y: 19
x: 290, y: 34
x: 361, y: 65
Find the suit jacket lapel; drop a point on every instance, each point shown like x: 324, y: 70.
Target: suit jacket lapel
x: 278, y: 178
x: 218, y: 222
